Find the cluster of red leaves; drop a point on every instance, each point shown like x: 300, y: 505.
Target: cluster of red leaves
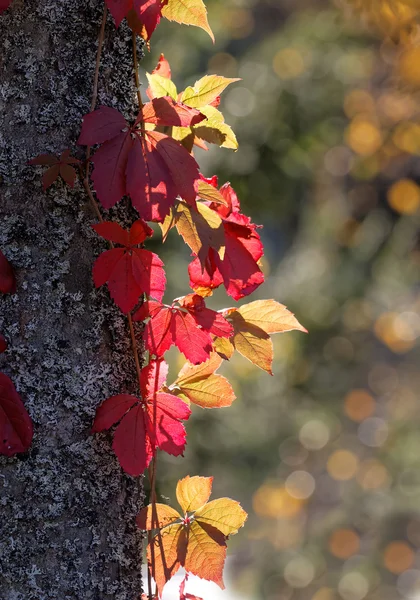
x: 129, y: 271
x: 189, y: 326
x: 149, y: 166
x: 238, y: 270
x: 16, y: 430
x: 146, y: 423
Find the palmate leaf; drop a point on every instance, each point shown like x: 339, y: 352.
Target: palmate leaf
x: 253, y: 323
x: 146, y: 423
x: 188, y: 12
x: 177, y: 325
x: 129, y: 271
x: 195, y: 541
x: 149, y: 166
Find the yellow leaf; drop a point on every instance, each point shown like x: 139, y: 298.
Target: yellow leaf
x: 161, y: 86
x: 207, y: 192
x: 165, y: 516
x: 206, y: 553
x: 252, y: 342
x: 167, y: 224
x: 205, y: 90
x: 201, y: 229
x: 214, y: 129
x: 224, y: 514
x: 271, y: 316
x: 224, y: 348
x: 203, y: 387
x: 193, y: 492
x: 188, y: 12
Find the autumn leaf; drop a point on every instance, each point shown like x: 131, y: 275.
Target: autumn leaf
x: 183, y: 595
x: 129, y: 271
x: 149, y: 166
x: 188, y: 12
x: 146, y: 423
x: 7, y: 276
x: 206, y: 90
x: 177, y: 325
x: 58, y: 166
x: 202, y: 386
x: 16, y: 429
x: 4, y: 4
x: 196, y: 538
x: 238, y: 270
x: 3, y: 344
x: 253, y: 323
x: 201, y: 228
x: 148, y: 13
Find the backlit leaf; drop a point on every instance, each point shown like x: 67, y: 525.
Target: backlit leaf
x: 193, y: 492
x: 188, y: 12
x: 205, y: 90
x: 269, y: 315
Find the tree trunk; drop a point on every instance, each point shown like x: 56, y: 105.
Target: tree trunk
x: 67, y: 527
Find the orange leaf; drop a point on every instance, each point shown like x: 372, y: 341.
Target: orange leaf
x: 165, y: 516
x: 271, y: 316
x: 206, y: 553
x: 224, y: 347
x: 193, y: 492
x: 252, y: 342
x: 202, y: 386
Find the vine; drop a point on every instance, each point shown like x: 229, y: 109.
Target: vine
x: 151, y: 161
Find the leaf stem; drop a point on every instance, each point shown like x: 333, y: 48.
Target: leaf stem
x: 136, y: 70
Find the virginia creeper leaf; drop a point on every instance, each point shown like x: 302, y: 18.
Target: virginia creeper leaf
x: 16, y: 429
x: 57, y: 166
x: 128, y: 271
x: 146, y: 423
x: 198, y: 542
x: 188, y: 12
x: 7, y: 276
x: 271, y: 316
x: 3, y: 344
x: 202, y: 386
x: 167, y: 112
x: 206, y: 90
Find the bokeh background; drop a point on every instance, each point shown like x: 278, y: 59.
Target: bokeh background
x: 324, y: 455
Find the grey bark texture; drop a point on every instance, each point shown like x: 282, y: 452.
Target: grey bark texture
x: 67, y: 512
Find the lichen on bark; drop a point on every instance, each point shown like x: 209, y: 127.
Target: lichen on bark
x: 67, y: 529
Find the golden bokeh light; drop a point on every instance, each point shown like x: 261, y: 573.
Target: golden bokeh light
x: 363, y: 136
x: 342, y: 465
x: 343, y: 543
x: 390, y: 330
x: 398, y: 557
x: 373, y: 475
x: 288, y: 63
x: 274, y: 501
x: 404, y: 196
x: 359, y: 405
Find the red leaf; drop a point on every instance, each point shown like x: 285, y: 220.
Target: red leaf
x: 151, y: 167
x: 169, y: 326
x: 58, y: 166
x: 167, y: 112
x: 3, y: 344
x: 162, y: 68
x: 110, y: 163
x: 239, y: 270
x: 144, y: 424
x: 182, y: 166
x: 112, y: 410
x: 152, y: 192
x: 7, y: 276
x: 102, y: 124
x: 147, y: 11
x: 113, y: 232
x: 16, y: 429
x: 148, y: 273
x: 4, y: 4
x: 208, y: 319
x: 153, y: 377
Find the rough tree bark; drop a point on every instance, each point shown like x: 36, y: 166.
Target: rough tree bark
x: 67, y: 526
